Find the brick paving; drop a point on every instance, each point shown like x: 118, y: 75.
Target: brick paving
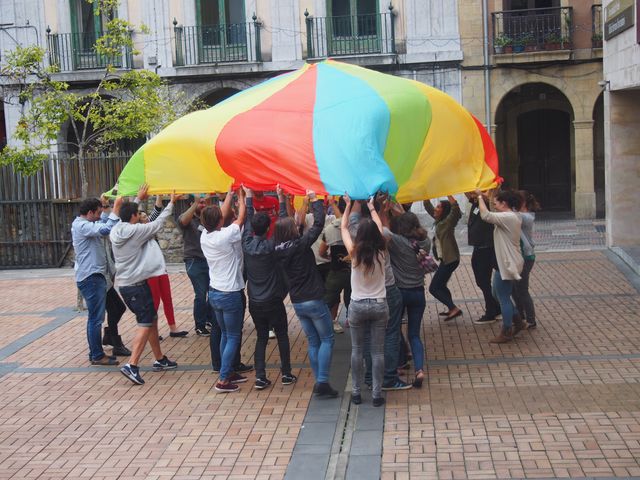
x: 561, y: 401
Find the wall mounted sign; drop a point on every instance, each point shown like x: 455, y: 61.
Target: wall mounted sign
x: 618, y: 17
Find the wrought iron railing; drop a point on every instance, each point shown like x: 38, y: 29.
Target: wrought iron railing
x: 534, y: 29
x: 202, y: 44
x: 76, y: 51
x: 596, y: 26
x: 350, y: 35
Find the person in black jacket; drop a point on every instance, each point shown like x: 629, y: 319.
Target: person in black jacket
x: 306, y: 290
x: 483, y: 258
x: 267, y: 290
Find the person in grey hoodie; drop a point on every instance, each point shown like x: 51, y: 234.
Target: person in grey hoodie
x: 138, y: 257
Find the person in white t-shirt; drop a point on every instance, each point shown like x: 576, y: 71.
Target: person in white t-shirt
x: 222, y: 247
x: 369, y: 311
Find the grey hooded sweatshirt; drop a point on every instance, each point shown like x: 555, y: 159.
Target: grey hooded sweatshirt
x: 136, y: 252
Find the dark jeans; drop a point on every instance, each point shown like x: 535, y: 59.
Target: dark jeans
x: 266, y: 315
x: 483, y: 261
x: 438, y: 287
x: 115, y: 309
x: 524, y: 302
x: 502, y: 290
x: 392, y: 340
x: 198, y: 272
x: 415, y: 303
x: 229, y: 313
x: 216, y: 337
x: 94, y: 290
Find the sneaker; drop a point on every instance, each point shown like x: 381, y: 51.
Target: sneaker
x: 378, y: 402
x: 398, y: 385
x: 337, y: 328
x: 132, y: 373
x: 242, y: 368
x: 272, y: 334
x: 164, y: 364
x: 325, y: 390
x: 235, y: 378
x: 485, y: 320
x: 208, y: 326
x: 531, y: 326
x: 262, y: 383
x: 203, y: 332
x: 215, y: 369
x: 226, y: 387
x: 289, y: 379
x: 356, y: 399
x: 106, y: 361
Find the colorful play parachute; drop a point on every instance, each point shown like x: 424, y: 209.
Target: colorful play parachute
x: 330, y: 127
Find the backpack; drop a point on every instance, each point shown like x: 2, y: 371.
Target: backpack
x: 426, y: 261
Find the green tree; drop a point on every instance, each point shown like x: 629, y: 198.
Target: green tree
x: 122, y: 105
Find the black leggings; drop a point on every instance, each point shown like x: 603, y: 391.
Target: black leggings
x: 115, y: 309
x: 270, y: 314
x: 438, y: 287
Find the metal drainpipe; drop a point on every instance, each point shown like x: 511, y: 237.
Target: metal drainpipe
x: 486, y: 66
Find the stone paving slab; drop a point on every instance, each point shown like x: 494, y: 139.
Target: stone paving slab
x: 561, y: 401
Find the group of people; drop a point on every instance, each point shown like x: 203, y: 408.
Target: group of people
x: 374, y: 253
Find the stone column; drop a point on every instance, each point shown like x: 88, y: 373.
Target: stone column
x: 585, y: 195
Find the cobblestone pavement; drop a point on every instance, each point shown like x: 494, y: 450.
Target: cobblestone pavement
x: 561, y: 401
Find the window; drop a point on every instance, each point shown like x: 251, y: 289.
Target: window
x: 354, y: 17
x: 85, y: 24
x: 222, y: 21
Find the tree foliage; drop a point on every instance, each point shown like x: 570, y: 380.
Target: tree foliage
x: 121, y: 104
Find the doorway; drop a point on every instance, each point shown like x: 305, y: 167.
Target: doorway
x: 544, y: 154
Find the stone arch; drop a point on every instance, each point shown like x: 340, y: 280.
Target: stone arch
x: 214, y: 97
x: 525, y: 114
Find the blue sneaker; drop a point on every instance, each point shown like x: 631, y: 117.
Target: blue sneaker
x: 164, y: 364
x: 132, y: 373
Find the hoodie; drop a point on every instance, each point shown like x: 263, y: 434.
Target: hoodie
x: 136, y: 252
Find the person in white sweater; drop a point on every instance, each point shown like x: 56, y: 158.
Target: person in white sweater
x: 506, y: 239
x: 138, y: 257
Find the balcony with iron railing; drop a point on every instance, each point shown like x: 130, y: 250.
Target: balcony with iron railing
x: 539, y: 29
x: 596, y: 26
x: 349, y: 35
x: 76, y: 51
x: 210, y: 44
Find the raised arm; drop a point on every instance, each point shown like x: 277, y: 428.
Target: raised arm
x: 344, y: 225
x: 157, y: 208
x: 148, y: 230
x: 226, y: 207
x: 282, y: 201
x: 242, y: 207
x: 318, y: 220
x: 428, y: 206
x: 248, y: 229
x: 374, y: 214
x: 187, y: 216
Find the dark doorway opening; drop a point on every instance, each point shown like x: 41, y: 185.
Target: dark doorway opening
x: 598, y: 156
x: 218, y: 96
x: 544, y: 153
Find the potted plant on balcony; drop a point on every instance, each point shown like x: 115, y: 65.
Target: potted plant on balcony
x: 518, y: 44
x: 552, y: 41
x: 596, y: 40
x: 502, y: 44
x: 529, y: 41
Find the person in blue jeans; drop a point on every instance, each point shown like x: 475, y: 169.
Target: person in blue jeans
x: 406, y: 232
x: 222, y: 247
x: 306, y: 290
x: 91, y: 268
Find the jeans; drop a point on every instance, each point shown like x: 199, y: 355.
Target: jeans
x: 115, y: 309
x: 228, y: 309
x: 415, y: 303
x: 198, y: 272
x: 438, y: 287
x: 502, y: 291
x: 265, y: 315
x: 521, y: 295
x: 216, y: 337
x: 94, y: 290
x: 391, y: 340
x: 368, y: 316
x: 483, y: 261
x: 316, y: 322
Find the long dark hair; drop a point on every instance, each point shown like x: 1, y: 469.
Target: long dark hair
x: 408, y: 226
x: 285, y: 230
x: 368, y: 245
x: 530, y: 201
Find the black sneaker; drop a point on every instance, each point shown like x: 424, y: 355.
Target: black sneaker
x: 203, y: 332
x: 226, y: 387
x: 216, y: 369
x: 242, y: 368
x: 262, y: 383
x: 235, y: 378
x: 325, y: 390
x: 208, y: 326
x: 531, y: 326
x: 356, y: 399
x: 132, y: 373
x: 378, y: 402
x: 289, y: 379
x: 484, y: 320
x: 398, y: 385
x: 164, y: 364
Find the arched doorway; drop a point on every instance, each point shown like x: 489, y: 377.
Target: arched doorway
x: 534, y: 138
x: 218, y: 96
x: 598, y: 156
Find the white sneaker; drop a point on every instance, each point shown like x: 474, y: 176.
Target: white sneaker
x: 337, y: 328
x: 272, y: 334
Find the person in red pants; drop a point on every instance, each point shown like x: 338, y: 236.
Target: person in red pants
x: 160, y: 285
